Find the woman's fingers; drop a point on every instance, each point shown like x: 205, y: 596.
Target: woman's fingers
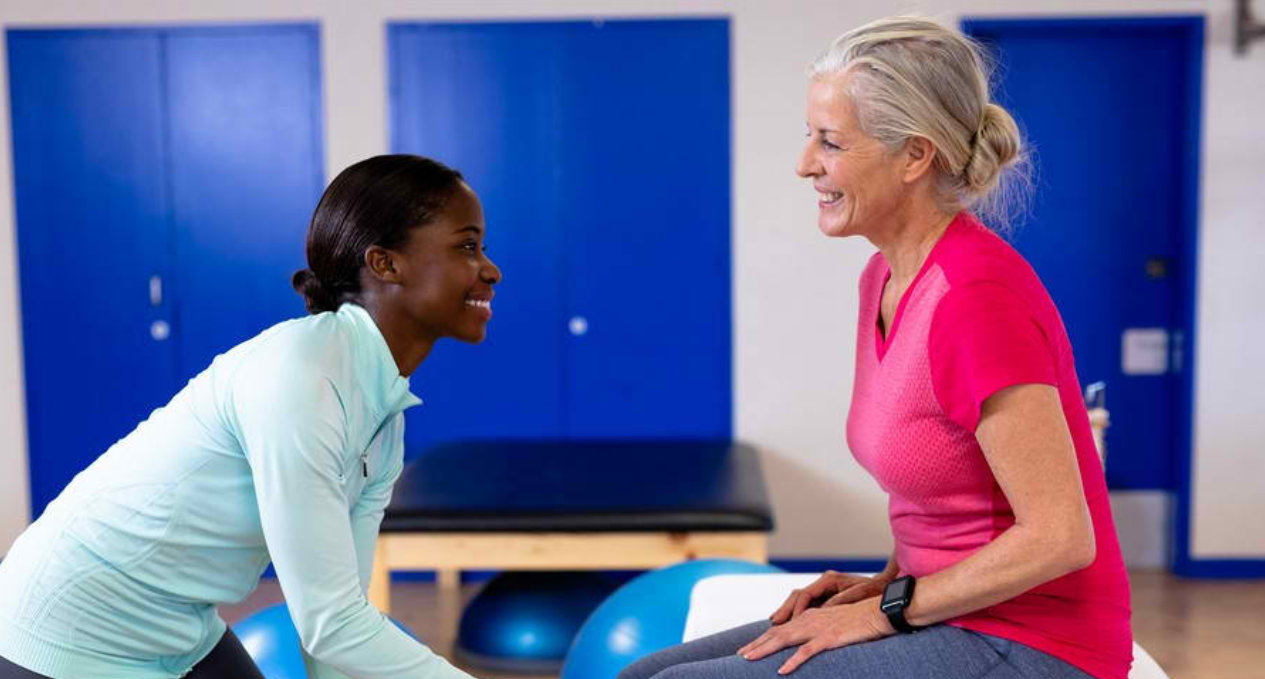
x: 750, y: 645
x: 845, y: 589
x: 756, y: 642
x: 850, y: 595
x: 783, y: 613
x: 774, y: 640
x: 751, y: 650
x: 801, y: 656
x: 802, y: 603
x: 801, y: 599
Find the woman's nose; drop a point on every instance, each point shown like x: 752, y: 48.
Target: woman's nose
x: 490, y: 273
x: 807, y: 165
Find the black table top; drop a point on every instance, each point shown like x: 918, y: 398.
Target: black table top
x: 568, y: 486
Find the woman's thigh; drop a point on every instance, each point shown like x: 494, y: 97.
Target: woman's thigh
x: 717, y: 645
x: 228, y: 660
x: 941, y: 652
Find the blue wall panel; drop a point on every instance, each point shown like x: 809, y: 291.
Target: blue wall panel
x: 1104, y: 103
x: 246, y: 172
x: 190, y: 156
x: 482, y: 98
x: 601, y: 152
x: 645, y: 212
x: 88, y: 153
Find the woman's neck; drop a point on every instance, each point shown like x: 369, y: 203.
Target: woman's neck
x: 408, y: 347
x: 908, y: 243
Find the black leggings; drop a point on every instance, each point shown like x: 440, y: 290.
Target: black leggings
x: 228, y: 660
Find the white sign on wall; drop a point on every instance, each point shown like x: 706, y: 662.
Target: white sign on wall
x: 1144, y: 351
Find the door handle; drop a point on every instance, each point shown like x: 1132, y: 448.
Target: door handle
x: 159, y: 330
x: 155, y: 290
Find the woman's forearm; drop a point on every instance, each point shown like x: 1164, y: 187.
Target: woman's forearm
x: 1016, y: 561
x: 1024, y: 436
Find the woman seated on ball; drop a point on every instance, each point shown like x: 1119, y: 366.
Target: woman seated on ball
x: 965, y: 407
x: 284, y: 449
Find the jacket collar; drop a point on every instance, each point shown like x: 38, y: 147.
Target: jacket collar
x: 385, y: 388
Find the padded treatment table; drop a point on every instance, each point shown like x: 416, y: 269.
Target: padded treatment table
x: 571, y: 505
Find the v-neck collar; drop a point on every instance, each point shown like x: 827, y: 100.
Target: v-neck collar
x: 883, y: 341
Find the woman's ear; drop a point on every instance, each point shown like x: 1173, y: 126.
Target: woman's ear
x: 920, y: 155
x: 380, y: 263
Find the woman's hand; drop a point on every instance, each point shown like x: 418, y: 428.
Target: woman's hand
x: 821, y: 629
x: 831, y: 589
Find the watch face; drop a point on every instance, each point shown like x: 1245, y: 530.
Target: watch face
x: 897, y: 590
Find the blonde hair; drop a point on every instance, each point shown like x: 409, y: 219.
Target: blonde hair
x: 913, y: 77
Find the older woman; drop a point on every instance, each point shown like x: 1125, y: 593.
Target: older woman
x: 966, y: 407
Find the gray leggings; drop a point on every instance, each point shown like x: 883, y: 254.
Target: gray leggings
x: 939, y: 652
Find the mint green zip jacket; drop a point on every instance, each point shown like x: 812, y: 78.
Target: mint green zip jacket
x: 285, y: 448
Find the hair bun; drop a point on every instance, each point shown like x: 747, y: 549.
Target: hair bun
x: 997, y: 144
x: 316, y: 296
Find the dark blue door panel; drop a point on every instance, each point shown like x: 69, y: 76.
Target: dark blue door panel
x: 482, y: 98
x: 601, y: 153
x: 163, y: 176
x: 246, y: 168
x: 645, y: 210
x: 92, y: 230
x: 1105, y: 106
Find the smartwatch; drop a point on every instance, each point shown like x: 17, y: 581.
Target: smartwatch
x: 896, y: 597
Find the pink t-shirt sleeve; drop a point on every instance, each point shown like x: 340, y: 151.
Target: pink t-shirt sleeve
x: 984, y: 339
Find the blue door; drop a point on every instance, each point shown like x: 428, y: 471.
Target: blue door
x: 483, y: 98
x: 164, y: 179
x: 1111, y: 109
x: 601, y: 153
x: 645, y: 215
x: 92, y: 229
x: 247, y: 170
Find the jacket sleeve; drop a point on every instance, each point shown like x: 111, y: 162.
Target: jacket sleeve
x: 293, y: 427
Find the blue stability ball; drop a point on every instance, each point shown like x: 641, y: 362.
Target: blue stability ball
x: 271, y: 640
x: 524, y: 622
x: 643, y: 616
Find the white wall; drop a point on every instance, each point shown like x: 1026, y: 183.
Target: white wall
x: 794, y: 291
x: 1229, y: 469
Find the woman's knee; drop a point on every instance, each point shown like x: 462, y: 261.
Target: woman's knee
x: 676, y: 672
x: 645, y: 668
x: 656, y: 666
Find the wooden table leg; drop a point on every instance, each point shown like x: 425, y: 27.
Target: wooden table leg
x: 448, y: 584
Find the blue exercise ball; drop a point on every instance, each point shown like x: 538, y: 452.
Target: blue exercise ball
x: 524, y: 622
x: 643, y: 616
x: 271, y: 640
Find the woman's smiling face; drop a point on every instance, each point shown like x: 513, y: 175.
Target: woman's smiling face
x: 446, y: 278
x: 858, y: 180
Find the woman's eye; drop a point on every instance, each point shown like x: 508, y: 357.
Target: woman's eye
x: 470, y: 246
x: 826, y: 143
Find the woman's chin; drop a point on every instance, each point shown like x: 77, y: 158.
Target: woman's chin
x: 472, y: 335
x: 834, y: 227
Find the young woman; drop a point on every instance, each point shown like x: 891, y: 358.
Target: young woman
x: 284, y: 450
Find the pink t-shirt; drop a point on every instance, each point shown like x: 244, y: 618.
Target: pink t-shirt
x: 974, y: 321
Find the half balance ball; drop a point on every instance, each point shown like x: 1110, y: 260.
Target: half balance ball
x: 524, y: 622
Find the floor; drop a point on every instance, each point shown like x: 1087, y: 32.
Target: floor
x: 1195, y: 629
